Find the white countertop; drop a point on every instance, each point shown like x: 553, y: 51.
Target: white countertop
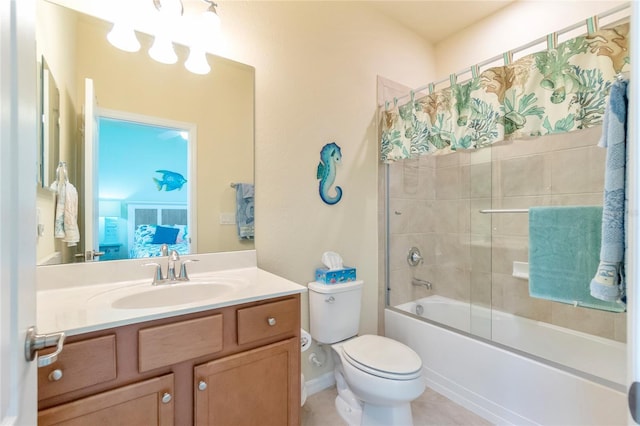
x: 85, y: 308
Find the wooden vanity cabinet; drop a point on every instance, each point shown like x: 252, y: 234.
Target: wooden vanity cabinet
x: 236, y: 365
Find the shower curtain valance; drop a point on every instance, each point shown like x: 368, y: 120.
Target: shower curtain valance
x: 555, y: 91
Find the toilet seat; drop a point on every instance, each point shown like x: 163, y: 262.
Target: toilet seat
x: 382, y: 357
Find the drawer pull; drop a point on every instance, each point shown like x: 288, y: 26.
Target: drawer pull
x: 55, y: 375
x: 330, y: 299
x: 166, y: 398
x: 271, y: 321
x: 202, y: 385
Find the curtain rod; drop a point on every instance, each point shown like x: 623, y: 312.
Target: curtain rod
x: 519, y: 49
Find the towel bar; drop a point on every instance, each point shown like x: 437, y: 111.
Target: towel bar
x: 486, y: 211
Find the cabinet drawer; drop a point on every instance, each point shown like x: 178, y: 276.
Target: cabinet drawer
x: 268, y: 320
x: 82, y: 364
x: 169, y: 344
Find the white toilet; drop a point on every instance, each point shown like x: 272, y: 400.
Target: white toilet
x: 376, y: 377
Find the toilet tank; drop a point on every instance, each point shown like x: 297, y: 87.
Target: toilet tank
x: 334, y: 310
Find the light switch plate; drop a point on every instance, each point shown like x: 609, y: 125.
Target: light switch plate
x: 227, y: 219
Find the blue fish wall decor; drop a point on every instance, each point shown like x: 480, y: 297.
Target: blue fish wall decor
x: 170, y: 180
x: 330, y: 157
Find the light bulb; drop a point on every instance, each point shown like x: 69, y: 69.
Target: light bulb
x: 211, y: 20
x: 123, y: 37
x: 162, y: 50
x: 197, y: 62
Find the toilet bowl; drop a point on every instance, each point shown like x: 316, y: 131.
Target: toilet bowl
x: 376, y: 378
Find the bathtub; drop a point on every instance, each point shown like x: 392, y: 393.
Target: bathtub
x: 561, y: 376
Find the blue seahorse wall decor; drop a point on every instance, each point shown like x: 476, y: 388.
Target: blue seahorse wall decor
x: 330, y: 157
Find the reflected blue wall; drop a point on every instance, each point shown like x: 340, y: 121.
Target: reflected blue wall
x: 128, y: 156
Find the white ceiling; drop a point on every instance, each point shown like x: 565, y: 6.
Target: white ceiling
x: 437, y: 20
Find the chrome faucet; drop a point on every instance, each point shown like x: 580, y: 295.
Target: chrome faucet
x: 173, y: 259
x: 171, y: 265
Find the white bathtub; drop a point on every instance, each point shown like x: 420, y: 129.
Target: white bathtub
x: 506, y: 387
x: 593, y: 355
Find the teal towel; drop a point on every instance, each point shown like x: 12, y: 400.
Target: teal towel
x: 564, y: 249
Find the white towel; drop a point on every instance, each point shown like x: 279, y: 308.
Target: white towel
x: 71, y: 231
x: 66, y: 221
x: 58, y: 231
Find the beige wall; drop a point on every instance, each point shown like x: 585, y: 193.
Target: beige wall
x: 511, y: 27
x: 316, y: 67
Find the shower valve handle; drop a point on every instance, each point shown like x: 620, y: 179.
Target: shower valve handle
x: 414, y: 257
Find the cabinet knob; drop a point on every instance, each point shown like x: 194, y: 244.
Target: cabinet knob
x: 202, y: 385
x: 55, y: 375
x: 271, y: 321
x: 166, y: 398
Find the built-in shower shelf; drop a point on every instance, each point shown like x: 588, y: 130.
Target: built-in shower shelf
x: 521, y: 270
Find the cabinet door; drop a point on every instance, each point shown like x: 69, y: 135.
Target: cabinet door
x: 257, y: 387
x: 145, y: 403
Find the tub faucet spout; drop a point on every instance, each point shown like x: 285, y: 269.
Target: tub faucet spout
x: 422, y: 283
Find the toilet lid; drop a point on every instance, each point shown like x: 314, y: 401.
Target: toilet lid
x: 383, y: 357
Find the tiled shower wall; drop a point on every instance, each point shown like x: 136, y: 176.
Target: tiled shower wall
x: 434, y: 205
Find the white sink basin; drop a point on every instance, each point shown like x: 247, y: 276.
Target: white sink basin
x: 147, y: 296
x: 172, y: 294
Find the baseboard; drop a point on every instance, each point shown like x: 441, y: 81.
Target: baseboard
x: 320, y: 383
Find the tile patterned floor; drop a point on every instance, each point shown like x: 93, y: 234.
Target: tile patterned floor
x: 431, y: 409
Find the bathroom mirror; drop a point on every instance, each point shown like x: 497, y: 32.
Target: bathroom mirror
x: 49, y: 125
x: 218, y: 105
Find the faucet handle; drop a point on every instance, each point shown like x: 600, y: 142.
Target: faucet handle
x: 174, y: 255
x: 164, y: 250
x: 183, y: 269
x: 157, y: 277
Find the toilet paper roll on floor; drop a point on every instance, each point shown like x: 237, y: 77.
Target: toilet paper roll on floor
x: 305, y: 340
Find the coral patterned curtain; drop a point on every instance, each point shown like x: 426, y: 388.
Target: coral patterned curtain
x: 555, y: 91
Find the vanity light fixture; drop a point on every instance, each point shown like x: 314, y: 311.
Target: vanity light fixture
x: 208, y: 25
x: 162, y: 48
x: 123, y: 37
x: 197, y: 61
x: 210, y: 17
x: 204, y: 26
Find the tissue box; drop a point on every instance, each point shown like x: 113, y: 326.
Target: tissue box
x: 346, y: 274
